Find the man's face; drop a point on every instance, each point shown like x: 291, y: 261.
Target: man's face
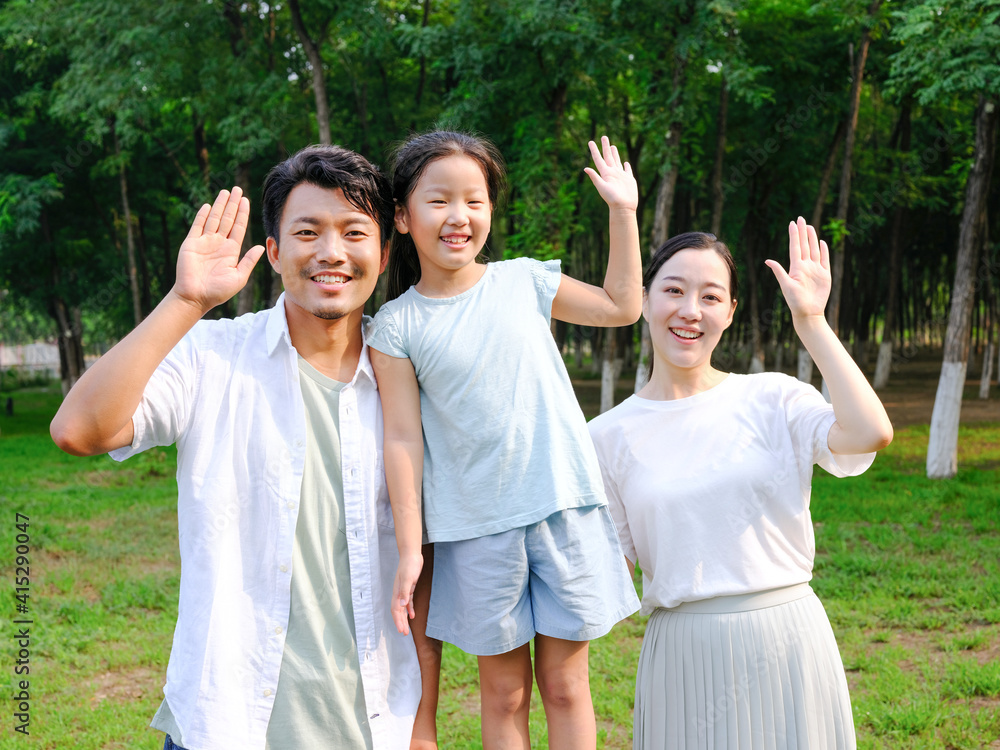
x: 329, y: 253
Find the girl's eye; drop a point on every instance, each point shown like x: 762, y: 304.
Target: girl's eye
x: 672, y: 290
x: 712, y: 297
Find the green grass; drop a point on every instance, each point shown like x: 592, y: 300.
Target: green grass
x: 908, y: 568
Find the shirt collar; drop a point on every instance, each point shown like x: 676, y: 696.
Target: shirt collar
x: 277, y: 329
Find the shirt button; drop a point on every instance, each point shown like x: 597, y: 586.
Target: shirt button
x: 277, y: 630
x: 291, y: 505
x: 283, y: 568
x: 298, y: 443
x: 267, y: 693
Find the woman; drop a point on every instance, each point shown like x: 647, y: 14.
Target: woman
x: 708, y: 477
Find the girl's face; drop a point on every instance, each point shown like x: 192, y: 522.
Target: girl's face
x: 688, y: 306
x: 447, y: 214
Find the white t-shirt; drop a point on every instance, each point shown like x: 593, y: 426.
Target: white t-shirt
x: 710, y: 494
x: 505, y: 441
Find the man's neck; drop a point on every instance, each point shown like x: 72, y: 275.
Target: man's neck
x: 331, y: 346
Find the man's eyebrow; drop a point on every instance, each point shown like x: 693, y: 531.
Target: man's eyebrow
x: 348, y: 221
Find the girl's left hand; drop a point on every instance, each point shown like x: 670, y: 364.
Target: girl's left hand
x: 612, y: 178
x: 806, y: 285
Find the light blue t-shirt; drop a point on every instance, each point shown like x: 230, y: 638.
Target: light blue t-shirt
x: 505, y: 442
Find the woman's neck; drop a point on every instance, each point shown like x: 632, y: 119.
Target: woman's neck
x: 669, y: 383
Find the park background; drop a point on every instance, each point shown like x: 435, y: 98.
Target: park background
x: 875, y: 120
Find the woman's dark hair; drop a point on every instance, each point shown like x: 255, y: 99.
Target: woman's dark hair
x: 333, y: 167
x: 692, y: 241
x: 409, y: 162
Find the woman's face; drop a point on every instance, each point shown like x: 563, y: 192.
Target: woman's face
x: 688, y: 306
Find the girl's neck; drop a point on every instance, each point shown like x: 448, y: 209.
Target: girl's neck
x: 669, y: 383
x: 439, y: 284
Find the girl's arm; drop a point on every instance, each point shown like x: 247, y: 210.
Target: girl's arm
x: 862, y: 425
x: 619, y: 301
x: 403, y: 450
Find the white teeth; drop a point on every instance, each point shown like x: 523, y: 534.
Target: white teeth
x: 453, y: 240
x: 685, y: 334
x: 330, y: 279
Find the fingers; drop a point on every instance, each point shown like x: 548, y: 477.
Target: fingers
x: 249, y: 260
x: 779, y: 272
x: 221, y: 217
x: 824, y: 255
x: 400, y: 619
x: 606, y: 156
x: 198, y: 225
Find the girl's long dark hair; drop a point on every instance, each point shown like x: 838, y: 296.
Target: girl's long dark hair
x: 409, y: 163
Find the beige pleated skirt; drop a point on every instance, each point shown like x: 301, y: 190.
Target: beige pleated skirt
x: 749, y: 672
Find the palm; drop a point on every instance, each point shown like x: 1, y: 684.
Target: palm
x: 612, y: 178
x: 209, y: 269
x: 806, y: 285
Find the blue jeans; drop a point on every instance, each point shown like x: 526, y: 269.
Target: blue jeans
x: 168, y: 744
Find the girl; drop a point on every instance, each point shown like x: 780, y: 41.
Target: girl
x: 524, y: 546
x: 708, y: 475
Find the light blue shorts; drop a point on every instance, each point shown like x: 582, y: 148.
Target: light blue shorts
x: 563, y: 577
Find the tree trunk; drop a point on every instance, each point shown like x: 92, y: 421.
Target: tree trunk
x: 318, y: 76
x: 611, y: 365
x: 843, y: 199
x: 718, y: 195
x: 133, y: 278
x: 804, y: 369
x: 245, y: 297
x: 942, y: 450
x: 883, y: 365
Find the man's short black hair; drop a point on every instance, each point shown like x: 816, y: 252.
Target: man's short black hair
x: 333, y: 167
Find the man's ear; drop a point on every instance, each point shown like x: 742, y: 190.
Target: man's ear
x: 384, y: 259
x: 401, y: 220
x: 272, y: 255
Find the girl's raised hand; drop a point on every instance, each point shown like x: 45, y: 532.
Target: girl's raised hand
x: 613, y: 180
x: 806, y: 285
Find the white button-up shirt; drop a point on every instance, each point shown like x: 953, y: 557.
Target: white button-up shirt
x: 228, y: 395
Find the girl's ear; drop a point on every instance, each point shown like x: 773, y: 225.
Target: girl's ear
x: 645, y: 304
x: 732, y: 313
x: 401, y: 220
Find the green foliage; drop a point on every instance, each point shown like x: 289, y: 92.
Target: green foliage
x: 947, y: 48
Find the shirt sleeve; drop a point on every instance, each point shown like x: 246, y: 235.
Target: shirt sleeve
x: 163, y: 413
x: 547, y: 275
x: 810, y: 418
x: 615, y: 504
x: 384, y: 335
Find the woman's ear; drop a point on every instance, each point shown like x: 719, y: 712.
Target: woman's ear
x: 732, y: 313
x: 645, y: 304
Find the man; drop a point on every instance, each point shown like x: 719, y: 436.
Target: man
x: 284, y: 635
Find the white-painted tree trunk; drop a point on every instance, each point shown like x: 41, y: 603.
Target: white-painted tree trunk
x: 942, y: 450
x: 883, y: 365
x: 645, y: 366
x: 610, y: 370
x: 805, y: 366
x: 987, y: 376
x: 757, y: 363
